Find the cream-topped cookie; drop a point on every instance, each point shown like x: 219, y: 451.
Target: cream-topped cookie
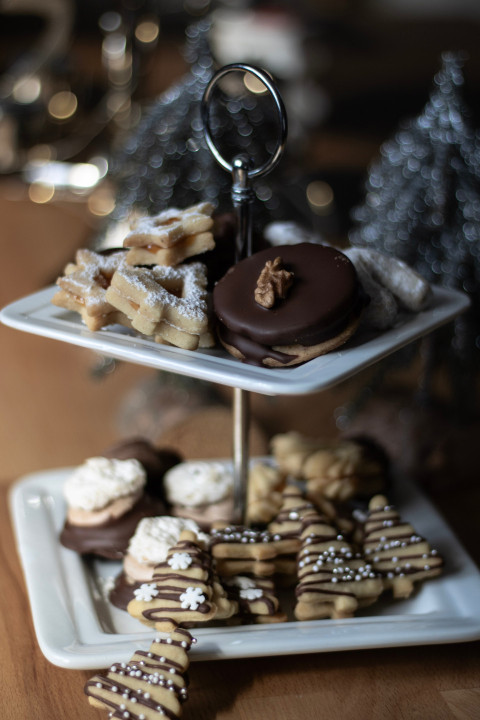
x: 195, y: 483
x: 155, y: 535
x: 101, y: 481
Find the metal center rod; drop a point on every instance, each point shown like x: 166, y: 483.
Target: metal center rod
x: 242, y: 199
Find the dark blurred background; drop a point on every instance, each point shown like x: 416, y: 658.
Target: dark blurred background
x: 76, y: 77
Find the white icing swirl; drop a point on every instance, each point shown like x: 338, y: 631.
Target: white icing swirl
x: 194, y: 483
x: 154, y: 537
x: 100, y: 481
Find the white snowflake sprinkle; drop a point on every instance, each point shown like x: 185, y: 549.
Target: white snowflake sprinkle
x: 192, y: 598
x: 180, y: 561
x: 146, y: 592
x: 251, y: 593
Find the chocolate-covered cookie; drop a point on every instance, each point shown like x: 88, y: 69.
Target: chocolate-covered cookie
x: 286, y: 305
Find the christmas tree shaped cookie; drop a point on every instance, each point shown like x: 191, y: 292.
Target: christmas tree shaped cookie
x: 256, y: 598
x: 287, y: 525
x: 151, y: 685
x: 181, y: 589
x: 395, y: 550
x: 333, y: 580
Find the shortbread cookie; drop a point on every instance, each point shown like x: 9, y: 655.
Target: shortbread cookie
x: 333, y: 580
x: 171, y: 236
x: 287, y: 525
x: 226, y: 605
x: 335, y: 470
x: 166, y: 302
x: 256, y: 597
x: 201, y: 490
x: 238, y: 550
x: 396, y: 551
x: 105, y: 502
x: 291, y: 449
x: 148, y: 546
x: 151, y: 685
x: 181, y: 588
x: 83, y: 288
x: 312, y: 303
x: 264, y: 494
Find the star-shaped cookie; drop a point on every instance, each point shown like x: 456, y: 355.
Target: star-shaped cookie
x: 169, y: 303
x: 171, y: 236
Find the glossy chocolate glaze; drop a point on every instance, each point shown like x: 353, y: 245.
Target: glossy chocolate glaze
x: 324, y: 297
x: 110, y: 540
x: 122, y: 591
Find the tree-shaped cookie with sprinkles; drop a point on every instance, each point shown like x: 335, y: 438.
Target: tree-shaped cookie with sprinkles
x: 238, y: 550
x: 395, y: 550
x: 256, y: 598
x: 287, y: 525
x: 333, y: 579
x: 151, y: 685
x: 181, y: 589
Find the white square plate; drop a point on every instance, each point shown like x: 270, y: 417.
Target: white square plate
x: 37, y: 315
x: 77, y: 627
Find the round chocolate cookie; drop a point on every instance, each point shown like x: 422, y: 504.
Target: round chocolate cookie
x: 314, y: 304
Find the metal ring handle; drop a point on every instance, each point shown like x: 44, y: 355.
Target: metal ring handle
x: 282, y: 116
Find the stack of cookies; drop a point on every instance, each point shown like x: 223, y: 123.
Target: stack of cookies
x: 147, y: 288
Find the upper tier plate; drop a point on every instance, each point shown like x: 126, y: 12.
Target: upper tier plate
x: 37, y: 315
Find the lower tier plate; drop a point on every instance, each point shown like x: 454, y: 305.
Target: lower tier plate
x: 78, y: 628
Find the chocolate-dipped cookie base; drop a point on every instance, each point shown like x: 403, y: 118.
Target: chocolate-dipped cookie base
x: 122, y: 591
x: 109, y: 540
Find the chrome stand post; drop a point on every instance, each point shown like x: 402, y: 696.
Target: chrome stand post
x: 242, y: 171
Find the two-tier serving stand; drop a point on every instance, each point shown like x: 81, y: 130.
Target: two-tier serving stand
x: 78, y: 637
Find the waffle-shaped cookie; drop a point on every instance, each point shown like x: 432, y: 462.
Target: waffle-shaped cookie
x: 171, y: 236
x: 395, y: 550
x: 169, y: 303
x: 83, y: 286
x: 181, y: 589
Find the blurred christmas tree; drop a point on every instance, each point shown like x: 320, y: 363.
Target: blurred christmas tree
x: 422, y: 204
x: 165, y: 162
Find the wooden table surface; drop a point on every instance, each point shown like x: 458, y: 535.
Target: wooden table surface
x: 53, y: 414
x: 426, y: 683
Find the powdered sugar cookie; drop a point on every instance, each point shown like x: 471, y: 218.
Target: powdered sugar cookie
x: 83, y: 288
x: 168, y: 303
x: 171, y: 236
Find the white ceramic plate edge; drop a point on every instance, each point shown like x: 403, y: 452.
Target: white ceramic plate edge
x: 36, y: 314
